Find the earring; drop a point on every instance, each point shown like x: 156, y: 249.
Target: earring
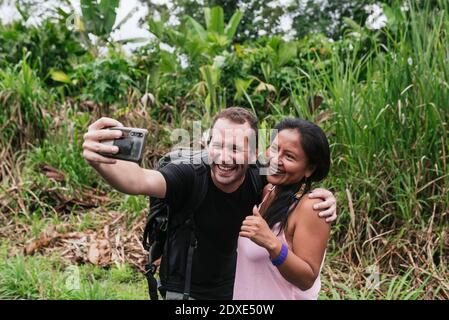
x: 307, y: 184
x: 300, y: 191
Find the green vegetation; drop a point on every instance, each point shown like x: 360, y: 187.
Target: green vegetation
x: 381, y: 96
x: 47, y: 278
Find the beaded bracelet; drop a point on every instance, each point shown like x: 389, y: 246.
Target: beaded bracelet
x: 281, y: 257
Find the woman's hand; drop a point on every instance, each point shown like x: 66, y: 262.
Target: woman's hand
x: 257, y: 230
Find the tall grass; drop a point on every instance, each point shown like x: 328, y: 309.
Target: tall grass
x: 389, y: 133
x: 22, y: 101
x: 390, y: 110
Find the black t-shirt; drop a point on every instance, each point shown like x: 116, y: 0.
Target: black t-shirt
x: 217, y: 225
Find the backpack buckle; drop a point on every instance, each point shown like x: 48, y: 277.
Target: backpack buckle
x: 150, y: 268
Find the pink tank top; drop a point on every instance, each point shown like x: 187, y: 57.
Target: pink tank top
x: 256, y: 278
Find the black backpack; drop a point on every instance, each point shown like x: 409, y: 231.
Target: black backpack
x: 179, y: 229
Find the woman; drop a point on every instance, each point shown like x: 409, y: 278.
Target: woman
x: 282, y: 245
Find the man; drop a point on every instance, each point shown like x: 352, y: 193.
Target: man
x: 229, y: 199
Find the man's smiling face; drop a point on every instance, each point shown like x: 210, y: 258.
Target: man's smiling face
x: 229, y: 153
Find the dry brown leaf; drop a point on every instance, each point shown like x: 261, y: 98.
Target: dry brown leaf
x: 99, y: 252
x: 88, y: 105
x: 323, y: 116
x: 115, y: 242
x: 265, y: 87
x: 30, y: 248
x: 94, y: 197
x: 315, y: 102
x: 45, y: 238
x: 52, y: 172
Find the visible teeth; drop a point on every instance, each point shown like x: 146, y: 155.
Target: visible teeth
x: 275, y: 170
x: 225, y: 167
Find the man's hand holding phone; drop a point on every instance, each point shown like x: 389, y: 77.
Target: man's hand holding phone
x: 107, y: 140
x: 93, y: 149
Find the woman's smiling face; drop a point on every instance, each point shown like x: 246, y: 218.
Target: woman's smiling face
x: 287, y: 160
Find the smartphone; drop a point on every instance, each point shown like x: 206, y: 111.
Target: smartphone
x: 131, y: 144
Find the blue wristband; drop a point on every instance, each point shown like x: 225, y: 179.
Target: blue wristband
x: 281, y: 257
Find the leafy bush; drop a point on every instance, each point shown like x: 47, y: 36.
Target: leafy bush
x: 105, y: 80
x: 23, y: 102
x: 51, y: 45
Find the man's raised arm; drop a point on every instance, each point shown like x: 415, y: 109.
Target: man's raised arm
x: 125, y: 176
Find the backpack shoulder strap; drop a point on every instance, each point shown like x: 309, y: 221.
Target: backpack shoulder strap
x: 199, y: 193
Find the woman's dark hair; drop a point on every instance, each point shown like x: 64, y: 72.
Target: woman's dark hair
x: 316, y: 148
